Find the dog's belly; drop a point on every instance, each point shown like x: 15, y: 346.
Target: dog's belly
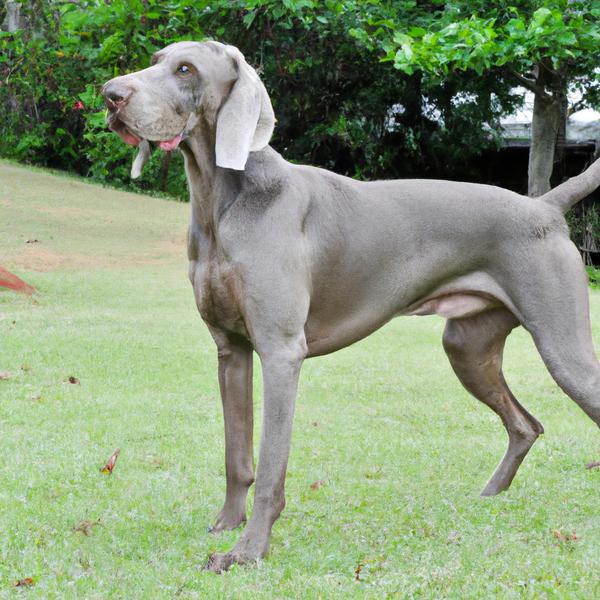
x: 326, y: 337
x: 334, y: 323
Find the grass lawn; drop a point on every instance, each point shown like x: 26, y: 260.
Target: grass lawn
x: 400, y: 449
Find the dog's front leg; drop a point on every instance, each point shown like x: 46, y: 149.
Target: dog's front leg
x: 235, y: 383
x: 281, y: 368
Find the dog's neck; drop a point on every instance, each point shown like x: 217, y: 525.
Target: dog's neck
x: 209, y: 186
x: 214, y: 189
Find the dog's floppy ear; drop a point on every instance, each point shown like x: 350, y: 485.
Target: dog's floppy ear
x: 144, y: 152
x: 245, y: 121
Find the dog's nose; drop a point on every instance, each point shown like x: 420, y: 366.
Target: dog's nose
x: 116, y: 94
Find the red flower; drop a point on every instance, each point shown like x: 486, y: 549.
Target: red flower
x: 78, y: 105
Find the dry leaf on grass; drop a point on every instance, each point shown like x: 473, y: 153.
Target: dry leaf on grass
x: 23, y: 582
x: 156, y: 461
x: 593, y: 464
x: 565, y: 537
x: 357, y: 571
x: 86, y: 526
x: 107, y: 469
x: 4, y: 375
x: 317, y: 485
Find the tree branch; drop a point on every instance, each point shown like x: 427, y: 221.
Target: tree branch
x: 269, y: 33
x: 532, y: 86
x: 545, y: 63
x: 579, y: 105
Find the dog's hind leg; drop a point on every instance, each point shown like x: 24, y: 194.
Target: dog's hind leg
x: 558, y: 318
x: 474, y: 346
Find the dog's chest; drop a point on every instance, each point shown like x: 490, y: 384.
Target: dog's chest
x: 217, y: 288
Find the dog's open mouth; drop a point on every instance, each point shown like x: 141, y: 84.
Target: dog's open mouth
x: 115, y: 124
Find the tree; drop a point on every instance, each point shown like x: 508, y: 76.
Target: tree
x: 548, y: 47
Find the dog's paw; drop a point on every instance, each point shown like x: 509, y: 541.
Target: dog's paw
x: 219, y: 563
x: 226, y: 522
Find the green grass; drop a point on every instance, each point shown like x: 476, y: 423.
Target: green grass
x: 402, y: 450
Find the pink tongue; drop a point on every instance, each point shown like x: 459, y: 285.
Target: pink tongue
x: 169, y: 145
x: 128, y: 137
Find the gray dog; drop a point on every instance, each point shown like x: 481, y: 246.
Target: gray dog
x: 293, y: 261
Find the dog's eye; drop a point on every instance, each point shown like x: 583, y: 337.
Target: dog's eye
x: 183, y: 69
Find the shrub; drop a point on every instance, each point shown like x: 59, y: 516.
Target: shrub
x: 337, y: 104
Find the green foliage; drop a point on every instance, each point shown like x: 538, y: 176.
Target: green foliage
x: 366, y: 88
x: 51, y: 110
x: 594, y: 277
x: 507, y: 38
x: 497, y: 35
x: 338, y: 105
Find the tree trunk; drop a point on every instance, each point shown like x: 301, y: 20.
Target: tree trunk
x: 544, y: 129
x: 547, y: 126
x: 561, y: 136
x: 12, y: 21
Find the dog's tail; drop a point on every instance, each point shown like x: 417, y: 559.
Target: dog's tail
x: 573, y: 190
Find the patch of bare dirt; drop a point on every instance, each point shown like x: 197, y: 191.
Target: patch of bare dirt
x: 37, y: 257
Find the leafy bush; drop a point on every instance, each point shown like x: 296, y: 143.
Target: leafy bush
x: 594, y: 277
x: 337, y: 104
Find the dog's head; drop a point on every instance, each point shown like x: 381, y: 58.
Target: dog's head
x: 187, y: 81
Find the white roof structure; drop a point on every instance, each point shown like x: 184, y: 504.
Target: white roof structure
x: 582, y: 126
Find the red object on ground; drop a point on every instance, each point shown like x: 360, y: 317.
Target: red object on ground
x: 12, y: 282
